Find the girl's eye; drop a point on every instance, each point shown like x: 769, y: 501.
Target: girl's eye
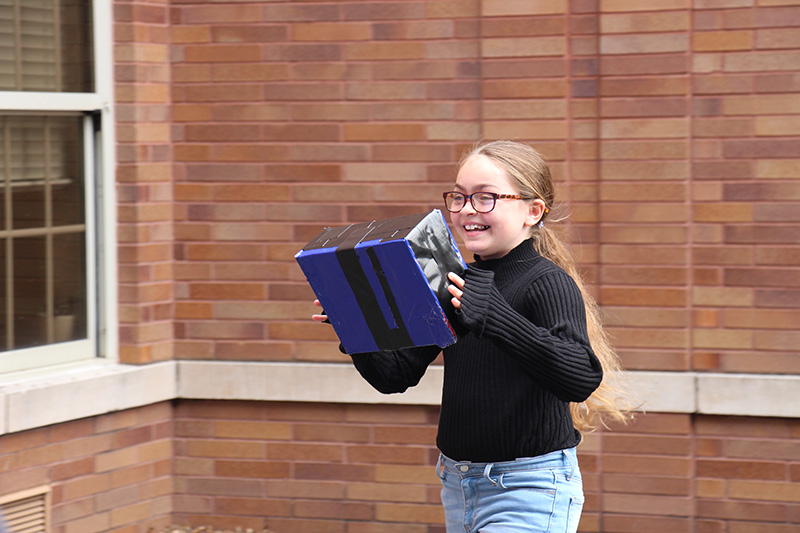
x: 484, y: 199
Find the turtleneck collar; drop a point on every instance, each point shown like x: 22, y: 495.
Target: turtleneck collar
x: 522, y: 253
x: 513, y: 265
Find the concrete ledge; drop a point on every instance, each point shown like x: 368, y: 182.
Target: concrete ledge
x: 748, y: 395
x: 43, y: 399
x: 84, y: 391
x: 664, y: 392
x: 295, y: 382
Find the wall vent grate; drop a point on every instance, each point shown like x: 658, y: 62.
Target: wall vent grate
x: 27, y: 511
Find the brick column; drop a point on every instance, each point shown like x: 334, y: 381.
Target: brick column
x: 144, y: 180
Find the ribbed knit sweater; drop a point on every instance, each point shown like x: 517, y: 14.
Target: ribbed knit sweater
x: 522, y: 356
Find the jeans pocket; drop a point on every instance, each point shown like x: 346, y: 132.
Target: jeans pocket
x: 574, y: 514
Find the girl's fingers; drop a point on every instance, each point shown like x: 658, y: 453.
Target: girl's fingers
x: 456, y: 279
x: 455, y: 289
x: 320, y: 317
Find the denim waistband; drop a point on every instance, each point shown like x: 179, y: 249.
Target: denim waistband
x: 566, y: 458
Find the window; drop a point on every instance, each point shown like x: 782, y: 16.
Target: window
x: 55, y: 146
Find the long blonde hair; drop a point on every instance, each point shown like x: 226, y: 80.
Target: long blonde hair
x: 530, y: 172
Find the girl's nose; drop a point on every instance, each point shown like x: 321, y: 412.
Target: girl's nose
x: 468, y: 207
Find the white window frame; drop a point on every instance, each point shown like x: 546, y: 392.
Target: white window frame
x: 100, y: 202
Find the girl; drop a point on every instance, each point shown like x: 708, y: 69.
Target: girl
x: 528, y: 366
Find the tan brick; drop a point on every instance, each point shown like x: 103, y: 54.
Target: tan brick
x: 252, y: 469
x: 225, y: 449
x: 777, y: 37
x: 386, y: 492
x: 306, y: 452
x: 644, y: 22
x: 523, y: 46
x: 645, y: 504
x: 777, y: 126
x: 641, y: 128
x: 649, y: 338
x: 329, y: 31
x: 633, y: 5
x: 252, y: 430
x: 722, y: 41
x: 723, y: 339
x: 643, y: 234
x: 500, y: 8
x: 644, y: 44
x: 253, y: 506
x: 764, y: 491
x: 95, y: 523
x: 383, y: 51
x: 86, y: 486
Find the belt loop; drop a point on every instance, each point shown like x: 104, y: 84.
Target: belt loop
x: 572, y: 464
x: 439, y: 466
x: 486, y: 473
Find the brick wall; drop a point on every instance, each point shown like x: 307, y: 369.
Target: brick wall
x: 367, y: 469
x: 670, y: 126
x: 298, y: 467
x: 108, y: 473
x: 335, y: 468
x: 144, y: 180
x: 291, y: 116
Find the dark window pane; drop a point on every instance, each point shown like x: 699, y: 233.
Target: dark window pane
x: 66, y: 170
x: 37, y: 152
x: 42, y: 185
x: 69, y: 287
x: 46, y: 46
x: 5, y: 323
x: 30, y: 292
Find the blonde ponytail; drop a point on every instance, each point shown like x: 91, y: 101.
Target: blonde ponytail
x: 610, y: 401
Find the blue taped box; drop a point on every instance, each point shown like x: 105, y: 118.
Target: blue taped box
x: 383, y: 284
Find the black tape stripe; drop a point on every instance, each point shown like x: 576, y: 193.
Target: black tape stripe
x: 385, y: 338
x: 400, y: 335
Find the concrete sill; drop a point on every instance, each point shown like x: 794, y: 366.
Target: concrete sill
x: 42, y: 399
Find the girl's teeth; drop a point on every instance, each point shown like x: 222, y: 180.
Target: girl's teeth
x: 474, y: 227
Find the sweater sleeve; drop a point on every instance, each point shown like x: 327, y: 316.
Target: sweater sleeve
x: 395, y: 371
x: 549, y: 340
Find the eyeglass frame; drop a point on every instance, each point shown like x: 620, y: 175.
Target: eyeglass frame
x: 495, y: 196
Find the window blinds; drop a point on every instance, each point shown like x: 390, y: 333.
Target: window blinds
x: 44, y: 46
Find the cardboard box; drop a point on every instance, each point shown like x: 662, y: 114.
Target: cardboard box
x: 383, y: 284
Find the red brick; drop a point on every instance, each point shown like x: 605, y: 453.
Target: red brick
x: 333, y: 510
x: 729, y: 469
x: 666, y: 486
x: 331, y: 471
x: 253, y: 506
x: 252, y: 469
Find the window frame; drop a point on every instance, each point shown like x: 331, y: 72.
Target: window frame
x: 100, y: 201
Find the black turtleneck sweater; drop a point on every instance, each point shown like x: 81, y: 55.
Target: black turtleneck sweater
x: 523, y: 356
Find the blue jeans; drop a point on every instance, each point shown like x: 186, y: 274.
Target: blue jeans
x: 542, y: 494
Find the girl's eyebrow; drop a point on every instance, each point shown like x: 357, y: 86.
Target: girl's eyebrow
x: 479, y: 187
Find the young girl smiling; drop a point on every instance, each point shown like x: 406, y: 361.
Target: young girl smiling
x: 528, y: 368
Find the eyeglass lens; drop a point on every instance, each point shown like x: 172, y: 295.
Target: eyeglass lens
x: 482, y: 202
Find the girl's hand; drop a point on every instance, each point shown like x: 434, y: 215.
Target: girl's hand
x: 456, y: 289
x: 321, y: 317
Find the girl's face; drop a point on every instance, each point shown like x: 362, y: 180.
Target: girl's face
x: 492, y: 235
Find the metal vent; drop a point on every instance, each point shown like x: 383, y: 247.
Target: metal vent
x: 27, y: 511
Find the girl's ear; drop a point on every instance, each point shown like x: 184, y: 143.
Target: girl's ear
x: 535, y: 212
